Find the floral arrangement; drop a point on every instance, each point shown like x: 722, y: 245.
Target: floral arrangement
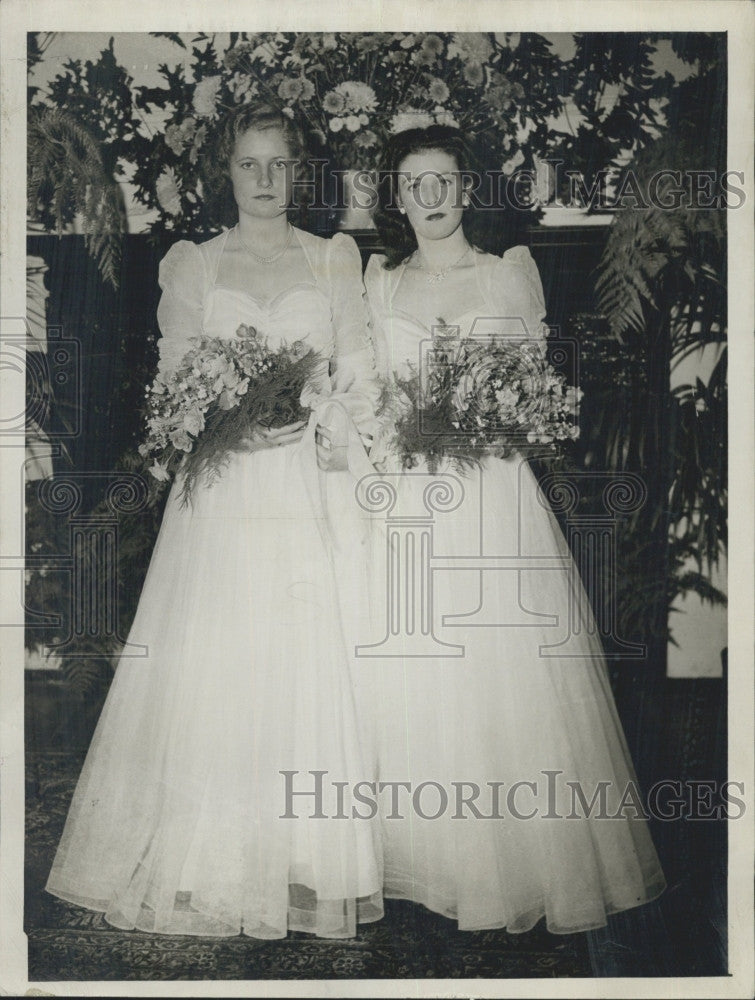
x: 222, y: 390
x: 353, y: 89
x: 477, y: 397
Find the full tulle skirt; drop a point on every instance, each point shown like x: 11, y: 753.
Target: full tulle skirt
x: 185, y: 818
x: 484, y: 745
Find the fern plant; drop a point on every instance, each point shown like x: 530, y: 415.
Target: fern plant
x: 661, y: 289
x: 66, y: 176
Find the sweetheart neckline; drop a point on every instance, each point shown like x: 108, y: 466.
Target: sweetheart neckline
x: 454, y: 322
x: 267, y: 305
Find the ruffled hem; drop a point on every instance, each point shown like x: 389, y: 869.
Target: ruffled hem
x: 326, y: 918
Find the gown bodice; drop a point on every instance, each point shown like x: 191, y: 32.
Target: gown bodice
x: 505, y: 296
x: 300, y: 312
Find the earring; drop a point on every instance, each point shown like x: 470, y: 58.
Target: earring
x: 402, y: 210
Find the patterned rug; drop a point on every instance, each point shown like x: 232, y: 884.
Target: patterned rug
x: 70, y: 943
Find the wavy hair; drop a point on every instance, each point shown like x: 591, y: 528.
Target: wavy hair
x: 484, y: 227
x: 216, y: 179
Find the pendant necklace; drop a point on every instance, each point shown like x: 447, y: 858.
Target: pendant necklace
x: 276, y: 256
x: 433, y: 277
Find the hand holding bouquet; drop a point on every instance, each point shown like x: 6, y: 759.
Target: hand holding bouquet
x: 476, y: 397
x: 225, y: 395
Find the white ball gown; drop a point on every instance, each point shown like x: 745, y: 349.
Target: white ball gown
x: 504, y: 711
x: 175, y: 825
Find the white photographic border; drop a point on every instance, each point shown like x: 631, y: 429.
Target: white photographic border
x: 737, y: 18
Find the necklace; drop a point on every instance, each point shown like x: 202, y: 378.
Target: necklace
x: 433, y: 277
x: 276, y: 256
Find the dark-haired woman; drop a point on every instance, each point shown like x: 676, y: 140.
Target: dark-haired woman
x: 503, y: 729
x: 186, y: 818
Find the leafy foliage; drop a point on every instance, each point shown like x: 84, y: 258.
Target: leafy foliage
x: 66, y: 175
x: 79, y: 136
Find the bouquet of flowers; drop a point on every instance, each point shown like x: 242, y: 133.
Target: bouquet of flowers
x: 221, y: 392
x: 475, y: 398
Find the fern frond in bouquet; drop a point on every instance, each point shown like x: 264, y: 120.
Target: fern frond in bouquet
x: 475, y: 398
x: 222, y: 391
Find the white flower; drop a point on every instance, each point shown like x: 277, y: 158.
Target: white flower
x: 410, y: 118
x: 159, y: 472
x: 444, y: 117
x: 333, y: 103
x: 167, y: 191
x: 471, y: 47
x: 193, y: 421
x: 511, y: 164
x: 206, y: 95
x: 438, y: 90
x: 228, y: 399
x: 357, y: 96
x: 354, y: 122
x: 336, y: 124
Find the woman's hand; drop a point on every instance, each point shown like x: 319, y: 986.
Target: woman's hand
x: 272, y: 437
x: 332, y: 449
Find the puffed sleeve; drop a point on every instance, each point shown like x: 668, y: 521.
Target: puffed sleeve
x: 517, y: 294
x: 182, y: 278
x: 353, y: 375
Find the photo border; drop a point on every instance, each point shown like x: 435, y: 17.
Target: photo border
x: 737, y: 18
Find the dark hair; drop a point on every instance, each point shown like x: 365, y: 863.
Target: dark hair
x: 483, y: 229
x: 216, y: 180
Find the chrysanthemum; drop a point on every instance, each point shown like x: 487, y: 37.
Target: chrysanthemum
x: 296, y: 88
x: 167, y: 191
x: 357, y: 96
x: 438, y: 91
x: 174, y: 139
x: 432, y: 43
x: 423, y: 58
x: 206, y: 95
x: 368, y: 42
x: 471, y: 47
x: 474, y: 74
x: 366, y: 139
x: 334, y: 103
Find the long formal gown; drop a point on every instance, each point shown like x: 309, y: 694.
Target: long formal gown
x: 180, y: 821
x: 492, y: 703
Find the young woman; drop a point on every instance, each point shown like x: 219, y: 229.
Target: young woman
x: 180, y: 821
x: 510, y: 732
